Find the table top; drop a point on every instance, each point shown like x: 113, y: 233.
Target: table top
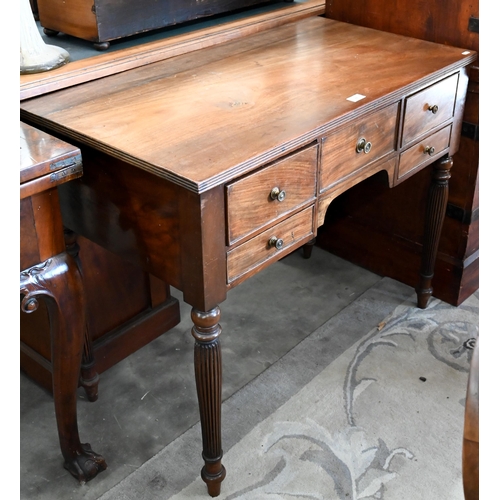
x: 127, y: 53
x: 204, y: 118
x: 45, y: 160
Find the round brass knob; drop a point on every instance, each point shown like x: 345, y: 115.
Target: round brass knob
x: 363, y: 145
x: 276, y: 243
x: 434, y: 109
x: 429, y: 150
x: 277, y: 194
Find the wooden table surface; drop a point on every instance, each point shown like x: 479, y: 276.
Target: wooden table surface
x: 45, y: 161
x: 204, y: 118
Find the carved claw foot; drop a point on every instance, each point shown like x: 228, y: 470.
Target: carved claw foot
x: 86, y: 465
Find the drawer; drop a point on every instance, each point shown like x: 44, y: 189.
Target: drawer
x: 342, y: 154
x: 429, y: 108
x: 293, y: 231
x: 270, y: 193
x: 420, y: 152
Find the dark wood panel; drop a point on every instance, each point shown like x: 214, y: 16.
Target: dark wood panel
x: 105, y: 20
x: 30, y: 254
x: 125, y: 312
x: 123, y: 289
x: 389, y: 254
x: 446, y: 21
x: 128, y: 17
x: 108, y: 208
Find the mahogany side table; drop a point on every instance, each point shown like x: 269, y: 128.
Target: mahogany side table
x: 49, y: 273
x: 207, y: 167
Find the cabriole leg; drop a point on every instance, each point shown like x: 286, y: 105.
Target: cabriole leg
x: 58, y: 282
x: 434, y: 217
x: 208, y: 372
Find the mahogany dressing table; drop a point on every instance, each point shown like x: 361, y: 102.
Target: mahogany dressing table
x: 209, y: 166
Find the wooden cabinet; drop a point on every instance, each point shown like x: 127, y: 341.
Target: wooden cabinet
x: 101, y: 21
x: 366, y: 224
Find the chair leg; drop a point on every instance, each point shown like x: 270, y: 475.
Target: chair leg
x: 58, y: 282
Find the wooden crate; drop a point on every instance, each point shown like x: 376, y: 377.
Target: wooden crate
x: 101, y: 21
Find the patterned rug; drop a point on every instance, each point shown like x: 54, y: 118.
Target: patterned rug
x: 382, y: 421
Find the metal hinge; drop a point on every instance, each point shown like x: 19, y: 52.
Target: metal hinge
x: 68, y: 162
x: 474, y: 24
x: 470, y: 130
x: 61, y: 174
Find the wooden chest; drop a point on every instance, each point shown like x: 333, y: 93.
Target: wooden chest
x: 101, y: 21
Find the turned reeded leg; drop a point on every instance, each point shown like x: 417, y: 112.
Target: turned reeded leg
x: 208, y: 372
x: 89, y: 378
x: 58, y: 282
x: 434, y: 217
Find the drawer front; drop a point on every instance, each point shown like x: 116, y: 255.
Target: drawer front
x: 258, y: 250
x: 420, y: 153
x: 341, y: 155
x: 270, y: 193
x: 429, y: 108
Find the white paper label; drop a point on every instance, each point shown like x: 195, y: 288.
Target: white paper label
x: 356, y: 97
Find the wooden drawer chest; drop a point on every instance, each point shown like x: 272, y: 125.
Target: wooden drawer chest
x: 101, y: 21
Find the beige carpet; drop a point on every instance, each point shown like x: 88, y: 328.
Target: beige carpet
x: 382, y: 421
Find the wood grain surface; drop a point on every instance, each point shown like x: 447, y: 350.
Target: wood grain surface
x: 204, y: 118
x: 112, y: 62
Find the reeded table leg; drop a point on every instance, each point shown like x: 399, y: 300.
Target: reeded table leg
x: 208, y: 372
x: 434, y: 217
x: 58, y: 282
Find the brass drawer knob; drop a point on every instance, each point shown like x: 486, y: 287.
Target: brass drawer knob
x: 434, y: 109
x: 429, y: 150
x: 277, y: 194
x: 363, y: 146
x: 276, y: 243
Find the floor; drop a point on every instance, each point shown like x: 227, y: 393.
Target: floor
x: 149, y: 399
